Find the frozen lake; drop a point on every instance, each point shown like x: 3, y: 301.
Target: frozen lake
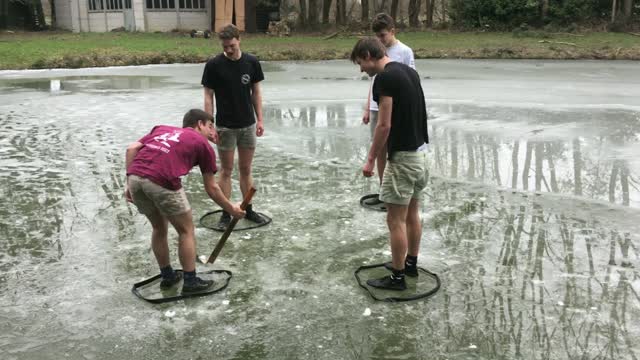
x: 531, y: 218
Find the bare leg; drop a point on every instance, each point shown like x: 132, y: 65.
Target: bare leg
x: 414, y: 227
x: 245, y: 160
x: 226, y: 165
x: 396, y: 221
x: 159, y: 238
x: 183, y: 224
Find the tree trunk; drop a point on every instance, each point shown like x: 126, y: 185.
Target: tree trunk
x: 54, y: 23
x: 326, y: 8
x: 394, y: 9
x: 628, y: 9
x: 613, y: 11
x: 312, y: 19
x: 364, y: 16
x: 545, y: 9
x: 302, y: 20
x: 414, y: 11
x: 429, y: 9
x: 342, y: 10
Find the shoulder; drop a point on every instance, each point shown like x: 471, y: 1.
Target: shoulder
x: 250, y: 58
x: 404, y: 48
x: 214, y: 60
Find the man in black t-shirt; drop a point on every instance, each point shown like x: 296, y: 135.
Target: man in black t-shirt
x: 234, y: 78
x: 402, y: 125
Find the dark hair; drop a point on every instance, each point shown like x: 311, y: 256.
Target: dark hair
x: 381, y: 22
x: 192, y: 117
x: 229, y: 32
x: 366, y: 47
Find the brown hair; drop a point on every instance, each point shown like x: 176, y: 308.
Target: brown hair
x: 381, y: 22
x: 192, y: 117
x: 368, y: 46
x: 229, y: 32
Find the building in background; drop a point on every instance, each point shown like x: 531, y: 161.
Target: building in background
x: 163, y: 15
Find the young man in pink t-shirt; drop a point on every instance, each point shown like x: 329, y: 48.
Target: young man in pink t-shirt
x: 155, y: 164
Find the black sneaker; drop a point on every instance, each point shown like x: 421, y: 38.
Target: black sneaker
x: 225, y: 220
x: 408, y: 270
x: 166, y: 284
x: 255, y: 217
x: 374, y: 201
x: 196, y: 286
x: 388, y: 283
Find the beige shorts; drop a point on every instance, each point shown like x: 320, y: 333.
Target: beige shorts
x: 228, y: 139
x: 150, y: 197
x: 405, y: 176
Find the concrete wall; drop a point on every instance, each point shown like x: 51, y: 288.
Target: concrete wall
x: 103, y: 22
x: 169, y: 20
x: 63, y: 14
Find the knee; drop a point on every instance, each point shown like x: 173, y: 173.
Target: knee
x: 160, y: 231
x: 186, y: 231
x: 244, y: 170
x: 225, y: 173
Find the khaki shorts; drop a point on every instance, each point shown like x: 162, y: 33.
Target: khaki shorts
x: 373, y: 121
x: 228, y: 139
x: 150, y: 197
x: 405, y: 176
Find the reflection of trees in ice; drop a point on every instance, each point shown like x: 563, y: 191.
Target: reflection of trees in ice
x: 324, y: 130
x: 535, y: 282
x: 585, y: 166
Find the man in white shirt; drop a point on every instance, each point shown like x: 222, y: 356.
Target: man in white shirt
x: 384, y: 28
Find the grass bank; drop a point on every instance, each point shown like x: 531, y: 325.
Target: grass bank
x: 68, y: 50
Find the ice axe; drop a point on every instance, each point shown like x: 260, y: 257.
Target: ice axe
x: 227, y: 232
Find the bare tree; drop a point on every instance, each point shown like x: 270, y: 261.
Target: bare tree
x: 326, y: 8
x: 429, y: 12
x: 312, y: 20
x: 302, y: 20
x: 628, y: 9
x: 364, y: 16
x: 545, y: 8
x: 394, y: 9
x: 414, y: 11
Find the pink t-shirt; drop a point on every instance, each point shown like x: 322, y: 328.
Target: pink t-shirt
x: 171, y: 152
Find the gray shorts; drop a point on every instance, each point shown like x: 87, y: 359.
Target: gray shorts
x: 373, y: 121
x: 228, y: 138
x: 405, y: 176
x: 149, y: 197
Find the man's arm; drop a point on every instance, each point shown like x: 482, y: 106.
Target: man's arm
x: 216, y: 194
x: 132, y: 150
x: 209, y: 106
x: 365, y: 115
x: 380, y: 134
x: 256, y: 99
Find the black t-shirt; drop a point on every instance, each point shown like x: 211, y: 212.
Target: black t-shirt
x: 409, y: 112
x: 232, y: 82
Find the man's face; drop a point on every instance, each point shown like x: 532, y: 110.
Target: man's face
x: 231, y: 48
x: 367, y: 65
x: 387, y: 37
x: 205, y: 127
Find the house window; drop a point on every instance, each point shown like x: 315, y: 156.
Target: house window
x: 192, y: 4
x: 161, y: 4
x: 109, y: 5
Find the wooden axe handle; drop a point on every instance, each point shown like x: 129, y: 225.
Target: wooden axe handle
x: 232, y: 224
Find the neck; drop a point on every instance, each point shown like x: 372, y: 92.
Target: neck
x: 233, y: 57
x: 393, y: 42
x: 382, y: 63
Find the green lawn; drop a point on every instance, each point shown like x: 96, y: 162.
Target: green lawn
x: 57, y: 49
